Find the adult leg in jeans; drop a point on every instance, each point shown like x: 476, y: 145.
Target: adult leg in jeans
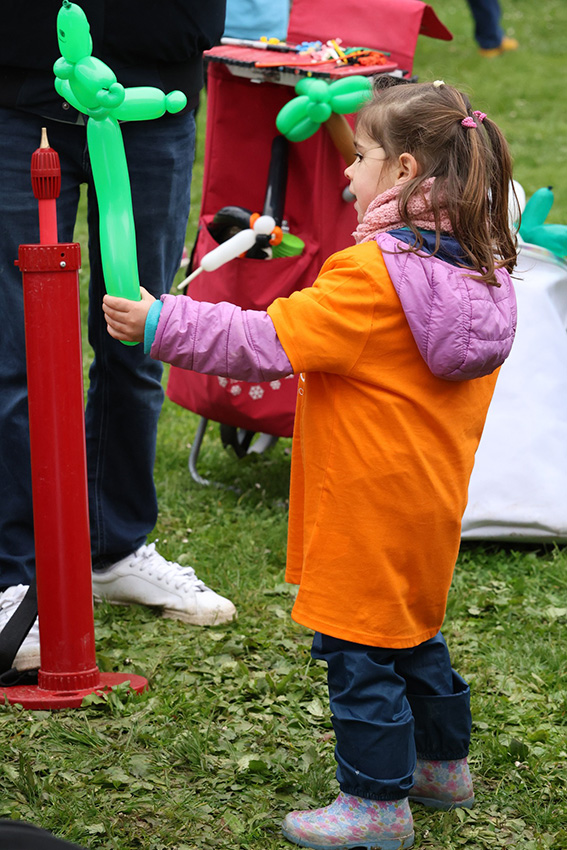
x: 125, y: 394
x: 20, y: 135
x: 487, y: 15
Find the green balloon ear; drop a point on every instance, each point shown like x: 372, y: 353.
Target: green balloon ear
x: 112, y: 97
x: 293, y: 121
x: 354, y: 83
x: 63, y: 70
x: 349, y: 94
x: 314, y: 89
x: 537, y: 208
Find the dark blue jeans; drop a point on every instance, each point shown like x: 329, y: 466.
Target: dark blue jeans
x: 125, y: 393
x: 488, y: 32
x: 389, y: 706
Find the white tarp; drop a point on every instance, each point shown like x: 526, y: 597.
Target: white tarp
x: 518, y: 489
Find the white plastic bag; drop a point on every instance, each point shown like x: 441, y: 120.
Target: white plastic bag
x: 518, y: 489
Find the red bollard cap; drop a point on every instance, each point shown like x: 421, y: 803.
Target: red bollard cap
x: 45, y: 171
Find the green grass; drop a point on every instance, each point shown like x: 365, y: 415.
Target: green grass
x: 234, y: 728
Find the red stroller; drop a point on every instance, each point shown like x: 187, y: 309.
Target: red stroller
x: 301, y: 183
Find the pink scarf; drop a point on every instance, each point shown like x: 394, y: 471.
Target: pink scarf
x: 383, y: 213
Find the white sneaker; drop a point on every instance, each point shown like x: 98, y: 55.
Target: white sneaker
x: 146, y: 578
x: 27, y: 657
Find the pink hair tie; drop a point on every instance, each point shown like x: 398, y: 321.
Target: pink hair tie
x: 469, y: 122
x: 480, y: 116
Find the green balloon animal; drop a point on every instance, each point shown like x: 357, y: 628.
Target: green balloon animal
x: 301, y: 117
x: 91, y: 87
x: 533, y: 229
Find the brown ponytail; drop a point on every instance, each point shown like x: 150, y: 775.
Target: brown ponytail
x: 471, y: 163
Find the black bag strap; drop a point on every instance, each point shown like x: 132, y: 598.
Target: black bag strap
x: 18, y: 678
x: 19, y: 835
x: 17, y: 628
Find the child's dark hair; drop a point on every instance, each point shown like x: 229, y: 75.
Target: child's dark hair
x: 471, y: 164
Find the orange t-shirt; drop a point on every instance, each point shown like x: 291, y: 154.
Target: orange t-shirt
x: 382, y: 456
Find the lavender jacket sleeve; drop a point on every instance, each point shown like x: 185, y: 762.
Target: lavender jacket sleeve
x: 219, y: 339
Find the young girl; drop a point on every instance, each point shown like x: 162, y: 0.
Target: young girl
x: 397, y: 344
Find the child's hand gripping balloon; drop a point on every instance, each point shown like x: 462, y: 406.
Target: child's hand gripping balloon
x: 91, y: 87
x: 126, y: 319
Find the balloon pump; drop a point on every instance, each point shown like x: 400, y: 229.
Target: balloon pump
x: 68, y: 670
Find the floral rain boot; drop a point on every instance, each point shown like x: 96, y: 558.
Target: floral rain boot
x: 353, y: 822
x: 442, y: 784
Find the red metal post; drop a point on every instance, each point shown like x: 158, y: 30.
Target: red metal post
x: 58, y: 457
